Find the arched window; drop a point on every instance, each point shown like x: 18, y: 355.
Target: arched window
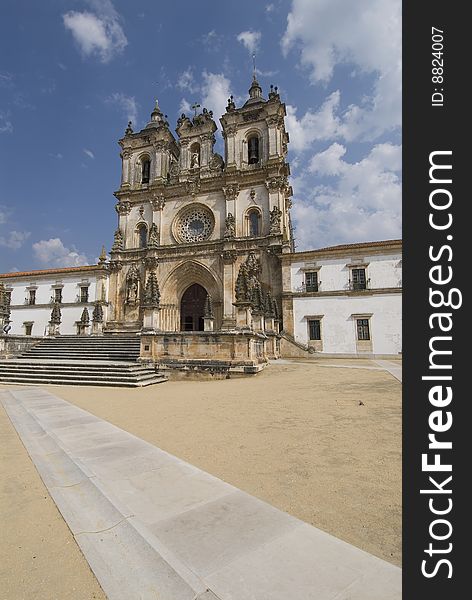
x: 146, y: 170
x: 253, y: 151
x: 254, y: 223
x: 142, y: 235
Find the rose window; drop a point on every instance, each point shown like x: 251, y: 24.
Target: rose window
x: 194, y: 224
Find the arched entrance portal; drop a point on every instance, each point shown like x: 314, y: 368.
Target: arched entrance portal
x: 192, y: 308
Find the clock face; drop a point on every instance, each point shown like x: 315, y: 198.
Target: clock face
x: 194, y: 224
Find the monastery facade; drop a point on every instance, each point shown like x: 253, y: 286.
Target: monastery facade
x: 203, y: 267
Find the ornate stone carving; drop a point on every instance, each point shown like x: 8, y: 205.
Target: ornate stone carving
x: 230, y: 227
x: 132, y: 285
x: 103, y: 256
x: 118, y: 241
x: 229, y: 256
x: 129, y: 129
x: 208, y: 309
x: 115, y: 266
x: 158, y: 201
x: 231, y: 191
x: 275, y: 219
x: 97, y: 315
x: 216, y: 162
x: 151, y: 262
x: 275, y: 184
x: 231, y: 129
x: 192, y: 186
x: 231, y: 105
x: 85, y: 317
x: 194, y: 224
x: 174, y: 168
x: 248, y: 279
x: 152, y: 295
x: 4, y: 305
x: 56, y: 316
x: 123, y: 208
x: 252, y: 194
x: 153, y: 241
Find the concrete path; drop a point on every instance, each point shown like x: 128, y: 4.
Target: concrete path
x: 392, y: 367
x: 154, y: 527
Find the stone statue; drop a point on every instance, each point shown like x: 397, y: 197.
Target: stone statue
x: 275, y: 218
x: 153, y: 241
x: 132, y: 285
x: 137, y: 171
x: 194, y: 160
x: 152, y: 294
x: 97, y: 315
x: 230, y: 226
x: 208, y: 309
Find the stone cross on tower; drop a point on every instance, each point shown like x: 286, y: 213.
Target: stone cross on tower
x: 195, y: 106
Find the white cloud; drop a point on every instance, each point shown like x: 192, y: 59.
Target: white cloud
x: 53, y: 253
x: 366, y: 34
x: 324, y: 124
x: 216, y: 91
x: 127, y: 105
x: 15, y: 239
x: 184, y: 107
x: 250, y: 39
x: 97, y: 33
x: 89, y: 153
x: 186, y: 81
x: 212, y: 40
x: 360, y: 201
x: 5, y: 123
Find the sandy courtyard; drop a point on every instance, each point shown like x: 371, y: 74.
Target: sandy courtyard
x: 295, y: 435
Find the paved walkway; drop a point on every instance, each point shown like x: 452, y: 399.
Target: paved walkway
x: 154, y: 527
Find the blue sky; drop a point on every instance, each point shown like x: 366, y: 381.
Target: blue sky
x: 73, y: 72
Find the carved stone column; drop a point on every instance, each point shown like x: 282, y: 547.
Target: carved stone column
x: 229, y: 260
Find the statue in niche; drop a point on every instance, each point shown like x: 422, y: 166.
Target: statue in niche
x: 132, y: 286
x: 230, y: 226
x: 194, y: 160
x: 137, y: 171
x: 275, y: 218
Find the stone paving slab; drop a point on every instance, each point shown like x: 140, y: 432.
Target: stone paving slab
x: 152, y: 526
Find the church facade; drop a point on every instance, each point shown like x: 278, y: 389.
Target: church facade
x: 203, y: 266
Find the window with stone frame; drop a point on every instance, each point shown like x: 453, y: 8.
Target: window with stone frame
x: 142, y: 235
x: 84, y: 294
x: 8, y: 298
x: 28, y: 327
x: 31, y: 297
x: 145, y: 170
x: 253, y: 150
x: 311, y: 281
x: 314, y: 329
x: 254, y: 223
x: 358, y: 279
x: 363, y: 329
x: 58, y: 295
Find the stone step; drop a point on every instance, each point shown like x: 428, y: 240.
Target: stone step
x: 81, y: 367
x: 51, y: 380
x: 77, y: 374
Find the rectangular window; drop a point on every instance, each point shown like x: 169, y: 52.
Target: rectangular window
x: 32, y: 297
x: 358, y: 279
x: 84, y: 294
x: 28, y: 328
x: 363, y: 332
x: 8, y: 298
x: 314, y: 327
x: 311, y: 281
x: 58, y: 295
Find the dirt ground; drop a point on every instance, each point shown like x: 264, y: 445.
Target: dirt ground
x: 323, y: 444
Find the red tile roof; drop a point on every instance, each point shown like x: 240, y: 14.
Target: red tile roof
x: 64, y: 271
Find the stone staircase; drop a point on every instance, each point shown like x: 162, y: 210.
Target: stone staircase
x: 76, y: 360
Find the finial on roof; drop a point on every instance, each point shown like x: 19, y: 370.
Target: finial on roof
x: 129, y: 129
x: 254, y: 66
x: 103, y: 256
